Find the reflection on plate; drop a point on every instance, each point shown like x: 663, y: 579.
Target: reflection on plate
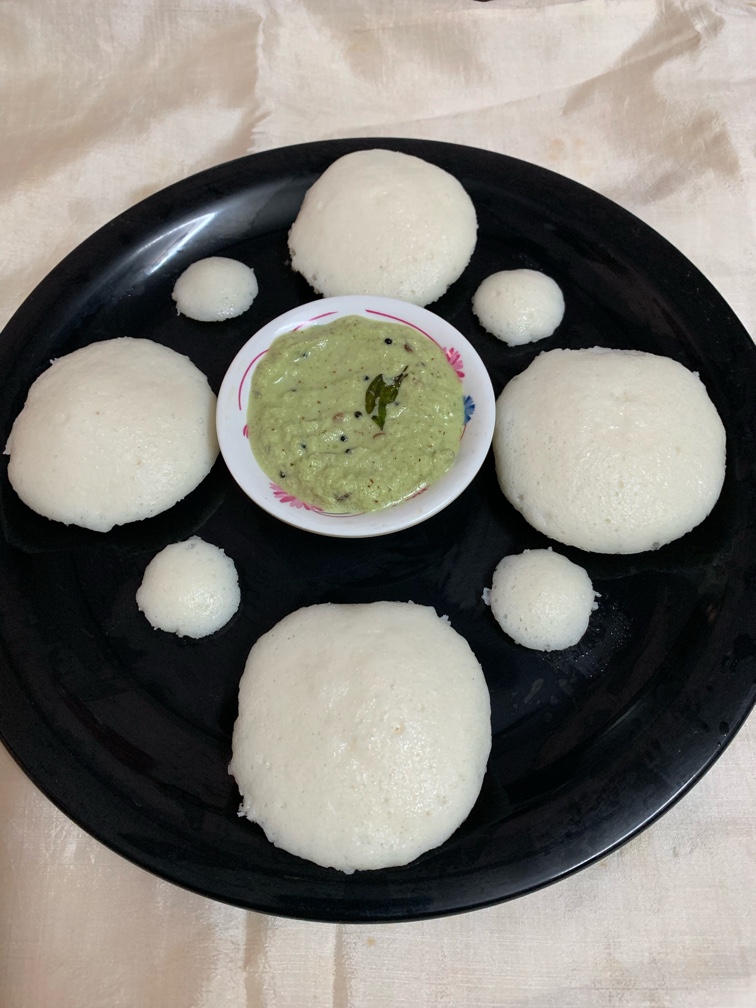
x: 128, y: 730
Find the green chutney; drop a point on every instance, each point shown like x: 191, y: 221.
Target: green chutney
x: 355, y: 415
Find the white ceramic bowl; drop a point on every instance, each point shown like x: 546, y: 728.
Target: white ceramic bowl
x: 480, y: 411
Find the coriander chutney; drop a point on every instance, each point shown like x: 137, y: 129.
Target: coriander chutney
x: 355, y: 415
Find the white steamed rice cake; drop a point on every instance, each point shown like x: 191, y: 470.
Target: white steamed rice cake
x: 384, y: 223
x: 614, y: 451
x: 113, y: 433
x: 189, y: 588
x: 519, y: 306
x: 363, y: 733
x: 542, y: 600
x: 215, y: 289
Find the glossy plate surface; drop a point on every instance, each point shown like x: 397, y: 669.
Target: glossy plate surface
x: 128, y: 729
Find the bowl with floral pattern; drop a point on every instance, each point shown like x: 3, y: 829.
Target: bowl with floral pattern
x: 357, y: 429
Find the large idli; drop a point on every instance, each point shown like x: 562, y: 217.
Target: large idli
x: 615, y: 451
x: 112, y: 433
x: 189, y: 588
x: 541, y: 599
x: 363, y: 733
x: 383, y: 223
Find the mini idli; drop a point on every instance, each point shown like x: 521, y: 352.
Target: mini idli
x: 614, y: 451
x: 519, y: 306
x: 383, y: 223
x: 215, y: 289
x: 363, y: 733
x: 541, y: 599
x: 113, y: 433
x: 190, y: 589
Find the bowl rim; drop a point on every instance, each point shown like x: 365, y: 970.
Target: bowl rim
x: 231, y: 419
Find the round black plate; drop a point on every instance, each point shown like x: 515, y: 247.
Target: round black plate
x: 128, y: 729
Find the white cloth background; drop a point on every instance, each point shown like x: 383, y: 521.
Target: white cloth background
x: 651, y: 104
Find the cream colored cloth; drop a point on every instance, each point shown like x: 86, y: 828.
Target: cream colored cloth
x: 652, y: 104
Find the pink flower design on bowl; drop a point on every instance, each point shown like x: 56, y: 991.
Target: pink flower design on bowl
x: 286, y: 498
x: 454, y: 358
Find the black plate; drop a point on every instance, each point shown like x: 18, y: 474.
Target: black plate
x: 128, y: 729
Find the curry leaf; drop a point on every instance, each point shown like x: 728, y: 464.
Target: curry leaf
x: 382, y: 392
x: 374, y: 390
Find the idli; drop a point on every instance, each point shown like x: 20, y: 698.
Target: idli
x: 519, y: 306
x: 112, y: 433
x: 542, y: 599
x: 215, y: 289
x: 363, y: 733
x: 615, y: 451
x: 383, y: 223
x: 190, y: 589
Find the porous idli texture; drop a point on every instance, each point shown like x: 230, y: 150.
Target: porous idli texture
x: 384, y: 223
x: 615, y: 451
x: 542, y: 599
x: 363, y: 733
x: 112, y: 433
x: 519, y: 306
x: 215, y: 289
x: 190, y: 589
